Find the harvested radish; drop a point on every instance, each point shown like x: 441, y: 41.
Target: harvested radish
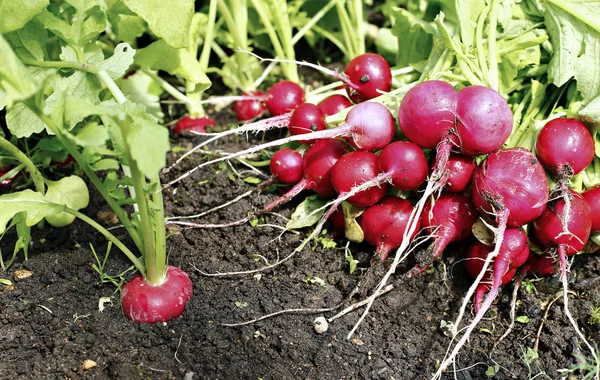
x: 356, y: 168
x: 449, y: 218
x: 460, y: 172
x: 405, y: 164
x: 333, y: 104
x: 384, y: 224
x: 592, y: 197
x: 251, y: 108
x: 286, y: 166
x: 284, y: 97
x: 543, y: 265
x: 306, y: 118
x: 369, y: 76
x: 146, y: 303
x: 190, y: 124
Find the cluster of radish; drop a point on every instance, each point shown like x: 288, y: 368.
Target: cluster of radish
x: 508, y: 190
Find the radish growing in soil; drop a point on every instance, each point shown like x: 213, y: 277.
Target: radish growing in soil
x: 383, y: 224
x: 369, y: 126
x: 511, y: 188
x: 251, y: 108
x: 306, y: 118
x: 193, y: 124
x: 286, y: 166
x: 356, y: 168
x: 449, y: 218
x: 565, y: 225
x: 460, y: 172
x: 333, y: 104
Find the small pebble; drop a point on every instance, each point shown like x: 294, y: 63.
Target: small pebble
x: 321, y: 325
x: 88, y: 364
x: 22, y: 274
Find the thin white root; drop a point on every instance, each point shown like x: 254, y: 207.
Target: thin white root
x: 226, y: 204
x: 359, y: 304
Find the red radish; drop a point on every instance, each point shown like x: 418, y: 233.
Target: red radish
x: 356, y: 168
x: 249, y: 109
x: 145, y: 303
x: 511, y: 187
x: 306, y: 118
x: 7, y: 182
x: 369, y: 75
x: 286, y: 166
x: 571, y: 230
x: 197, y: 124
x: 333, y: 104
x: 368, y: 126
x: 565, y: 142
x: 383, y: 224
x: 543, y: 265
x: 283, y: 97
x: 405, y: 164
x: 338, y: 222
x: 592, y: 197
x: 318, y: 161
x: 513, y: 253
x: 460, y: 172
x: 450, y: 218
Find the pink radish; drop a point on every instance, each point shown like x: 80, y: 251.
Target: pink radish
x: 369, y: 75
x: 592, y: 197
x: 383, y: 224
x: 450, y: 218
x: 333, y: 104
x: 144, y: 303
x: 460, y: 172
x: 405, y: 164
x: 251, y: 108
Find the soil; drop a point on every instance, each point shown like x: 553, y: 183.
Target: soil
x: 51, y: 322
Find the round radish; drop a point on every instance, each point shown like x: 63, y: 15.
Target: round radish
x: 145, y: 303
x: 356, y: 168
x: 460, y: 172
x: 565, y: 141
x: 571, y: 229
x: 283, y: 97
x: 383, y: 224
x: 543, y: 265
x: 195, y: 124
x: 333, y: 104
x: 406, y: 164
x: 249, y: 109
x: 286, y: 165
x: 370, y: 75
x: 306, y: 118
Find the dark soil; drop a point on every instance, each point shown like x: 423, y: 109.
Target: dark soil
x: 50, y: 323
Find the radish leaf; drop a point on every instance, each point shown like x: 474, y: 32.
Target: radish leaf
x: 29, y: 202
x: 15, y: 14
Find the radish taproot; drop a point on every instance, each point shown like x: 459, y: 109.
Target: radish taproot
x: 460, y: 172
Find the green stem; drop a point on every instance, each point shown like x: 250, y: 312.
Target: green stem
x: 479, y: 40
x: 63, y: 65
x: 168, y: 87
x: 136, y: 262
x: 36, y: 175
x: 492, y: 76
x: 160, y: 239
x: 347, y: 31
x: 238, y: 28
x: 209, y: 37
x: 308, y: 26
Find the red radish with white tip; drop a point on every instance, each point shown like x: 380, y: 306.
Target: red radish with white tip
x: 146, y: 303
x: 383, y: 224
x: 333, y: 104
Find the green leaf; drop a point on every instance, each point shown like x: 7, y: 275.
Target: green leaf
x: 126, y: 25
x: 576, y: 43
x: 92, y: 134
x: 29, y: 202
x: 415, y: 38
x: 23, y: 122
x: 15, y: 14
x: 142, y: 89
x: 15, y: 79
x: 70, y: 191
x: 303, y: 216
x: 118, y: 64
x: 468, y: 13
x: 522, y: 319
x: 180, y: 62
x: 169, y: 21
x: 148, y: 145
x: 591, y: 113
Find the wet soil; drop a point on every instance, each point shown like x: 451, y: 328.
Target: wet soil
x: 50, y: 323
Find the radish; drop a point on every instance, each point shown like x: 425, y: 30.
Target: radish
x: 333, y: 104
x: 369, y: 76
x: 286, y: 166
x: 511, y: 188
x: 368, y: 126
x: 543, y: 265
x: 306, y: 118
x: 404, y: 163
x: 460, y: 172
x: 251, y: 108
x: 194, y: 124
x: 449, y: 218
x: 592, y: 197
x: 356, y: 168
x: 384, y: 223
x: 283, y: 97
x: 513, y: 253
x: 146, y: 303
